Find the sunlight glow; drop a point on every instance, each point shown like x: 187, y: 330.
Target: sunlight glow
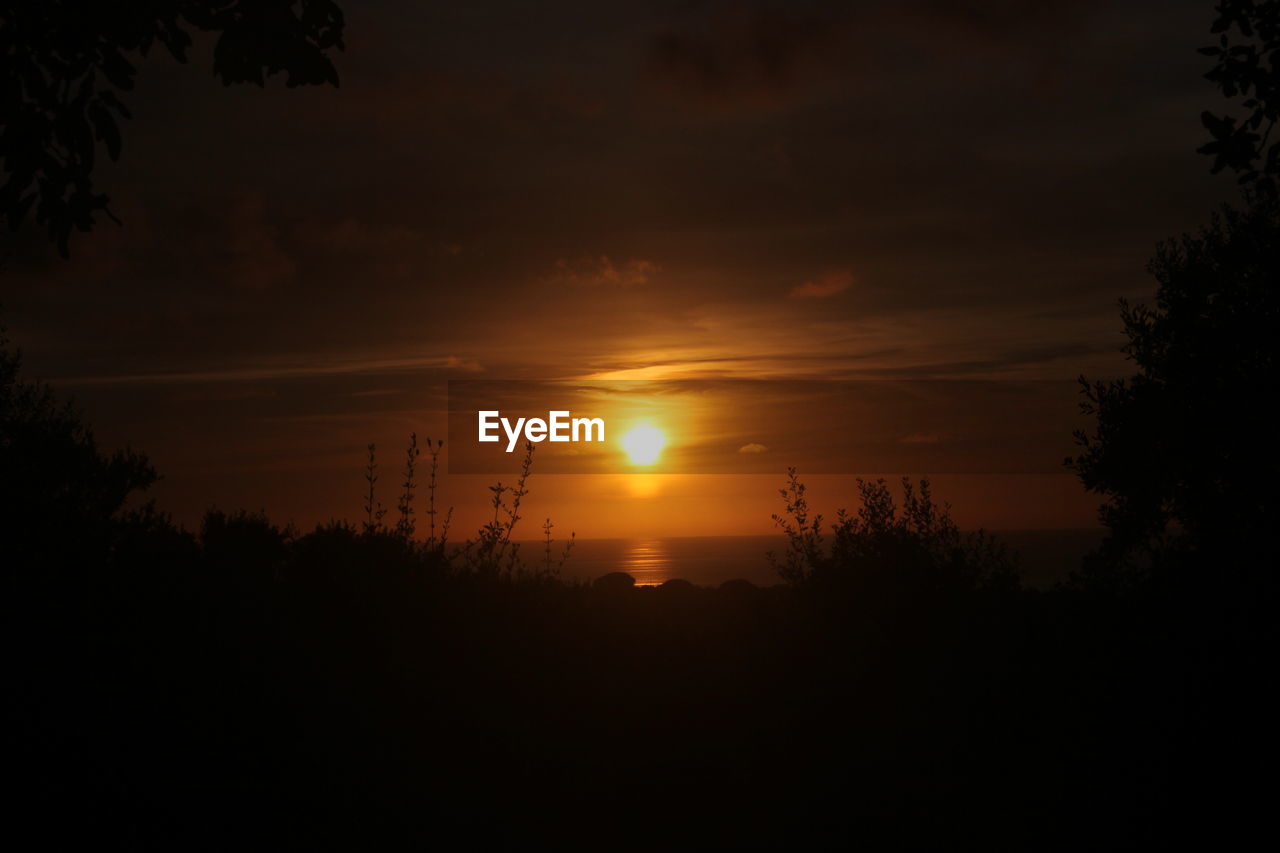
x: 643, y: 485
x: 643, y: 443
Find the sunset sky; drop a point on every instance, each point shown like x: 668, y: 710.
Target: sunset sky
x: 572, y: 191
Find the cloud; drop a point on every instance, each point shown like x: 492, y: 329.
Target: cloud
x: 753, y: 447
x: 599, y: 271
x: 377, y: 392
x: 257, y: 259
x: 358, y: 366
x: 743, y: 57
x: 1008, y: 19
x: 353, y: 235
x: 924, y: 438
x: 828, y: 284
x: 378, y: 249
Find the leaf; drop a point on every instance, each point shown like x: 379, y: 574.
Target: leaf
x: 118, y: 70
x: 109, y: 100
x: 18, y: 212
x: 105, y: 128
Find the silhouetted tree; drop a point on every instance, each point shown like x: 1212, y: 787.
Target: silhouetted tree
x: 1184, y: 450
x: 64, y: 64
x: 60, y: 497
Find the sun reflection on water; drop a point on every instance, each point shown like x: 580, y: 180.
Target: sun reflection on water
x: 648, y: 561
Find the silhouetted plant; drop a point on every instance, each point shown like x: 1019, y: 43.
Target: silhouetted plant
x: 59, y: 495
x: 405, y: 525
x: 244, y: 543
x: 65, y: 64
x: 492, y: 552
x: 373, y: 510
x: 551, y: 566
x: 886, y: 548
x: 330, y: 552
x: 433, y: 452
x: 804, y: 533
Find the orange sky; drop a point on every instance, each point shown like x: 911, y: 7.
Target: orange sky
x: 309, y: 468
x: 805, y: 191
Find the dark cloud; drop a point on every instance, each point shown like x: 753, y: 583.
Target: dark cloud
x: 743, y: 56
x: 1012, y: 18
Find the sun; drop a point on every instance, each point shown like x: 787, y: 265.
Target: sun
x: 643, y: 443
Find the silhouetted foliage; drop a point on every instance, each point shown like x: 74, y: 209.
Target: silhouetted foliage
x: 552, y: 562
x: 65, y: 64
x: 494, y: 552
x: 61, y: 497
x: 1184, y: 451
x: 355, y: 687
x: 406, y: 525
x: 244, y: 541
x: 886, y: 551
x: 1247, y: 65
x: 373, y: 509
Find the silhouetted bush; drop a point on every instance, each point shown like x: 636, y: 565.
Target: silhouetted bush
x: 885, y: 551
x: 61, y: 499
x: 244, y: 541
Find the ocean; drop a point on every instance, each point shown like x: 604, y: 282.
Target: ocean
x: 1045, y: 557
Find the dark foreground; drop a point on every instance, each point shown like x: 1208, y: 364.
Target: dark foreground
x: 346, y: 690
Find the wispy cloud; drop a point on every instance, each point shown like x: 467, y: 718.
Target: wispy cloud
x: 280, y: 371
x: 828, y: 284
x: 599, y: 271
